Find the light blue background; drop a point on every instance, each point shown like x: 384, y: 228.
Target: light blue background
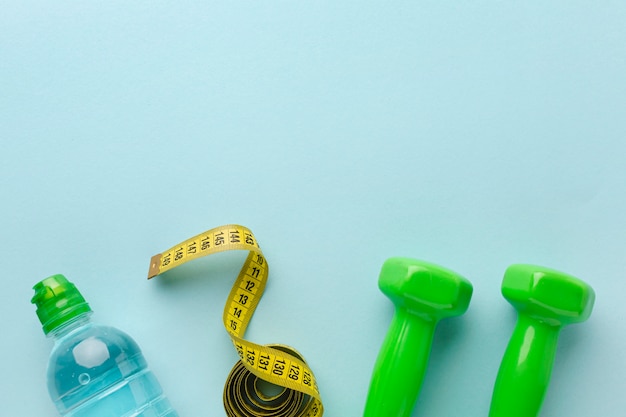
x: 470, y: 134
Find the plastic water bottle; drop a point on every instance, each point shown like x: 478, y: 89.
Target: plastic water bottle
x: 93, y: 371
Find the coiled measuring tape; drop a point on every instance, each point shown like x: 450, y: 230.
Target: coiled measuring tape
x: 277, y: 364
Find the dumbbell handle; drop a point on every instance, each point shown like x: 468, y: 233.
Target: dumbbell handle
x: 525, y: 370
x: 400, y: 367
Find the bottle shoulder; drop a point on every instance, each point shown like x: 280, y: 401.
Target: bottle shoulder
x: 114, y: 338
x: 90, y: 358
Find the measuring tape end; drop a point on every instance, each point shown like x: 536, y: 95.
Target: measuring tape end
x: 155, y: 263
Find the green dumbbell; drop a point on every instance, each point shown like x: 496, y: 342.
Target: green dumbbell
x: 546, y: 300
x: 423, y: 294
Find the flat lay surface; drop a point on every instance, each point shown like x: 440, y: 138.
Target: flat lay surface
x: 472, y: 135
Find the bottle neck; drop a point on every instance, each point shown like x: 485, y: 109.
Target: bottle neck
x: 70, y: 325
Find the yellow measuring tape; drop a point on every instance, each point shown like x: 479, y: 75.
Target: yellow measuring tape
x: 278, y: 364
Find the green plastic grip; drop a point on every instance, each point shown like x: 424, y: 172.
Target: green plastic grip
x: 525, y: 369
x: 400, y: 367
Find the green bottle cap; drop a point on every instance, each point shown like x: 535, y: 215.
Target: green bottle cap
x: 58, y: 301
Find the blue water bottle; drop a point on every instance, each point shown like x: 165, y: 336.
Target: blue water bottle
x: 93, y: 371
